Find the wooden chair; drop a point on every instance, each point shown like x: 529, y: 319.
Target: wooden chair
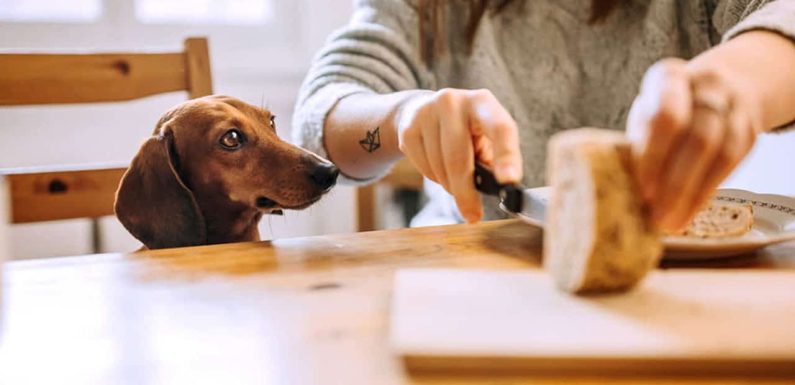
x: 87, y: 191
x: 403, y: 175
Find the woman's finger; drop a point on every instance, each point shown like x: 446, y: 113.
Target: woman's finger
x: 687, y: 168
x: 444, y: 104
x: 488, y: 117
x: 484, y: 150
x: 411, y: 142
x: 459, y: 162
x: 662, y: 111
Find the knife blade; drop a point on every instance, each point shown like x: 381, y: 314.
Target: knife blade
x: 514, y: 197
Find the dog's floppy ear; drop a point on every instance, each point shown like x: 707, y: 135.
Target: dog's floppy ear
x: 152, y: 201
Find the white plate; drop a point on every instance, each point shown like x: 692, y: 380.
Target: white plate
x: 774, y: 222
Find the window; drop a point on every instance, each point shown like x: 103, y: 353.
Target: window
x: 207, y: 12
x: 71, y: 11
x: 203, y: 11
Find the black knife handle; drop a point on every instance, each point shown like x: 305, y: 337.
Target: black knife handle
x: 510, y: 194
x: 512, y: 198
x: 485, y: 181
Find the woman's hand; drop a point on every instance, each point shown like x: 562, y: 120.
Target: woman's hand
x: 690, y: 128
x: 444, y: 132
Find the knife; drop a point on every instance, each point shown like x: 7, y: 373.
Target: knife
x: 514, y: 197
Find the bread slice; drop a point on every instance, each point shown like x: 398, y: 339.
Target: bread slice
x: 597, y: 235
x: 721, y: 220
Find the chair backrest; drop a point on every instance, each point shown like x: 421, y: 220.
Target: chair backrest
x: 40, y: 78
x: 43, y: 194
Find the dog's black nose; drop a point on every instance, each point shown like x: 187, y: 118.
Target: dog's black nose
x: 325, y: 175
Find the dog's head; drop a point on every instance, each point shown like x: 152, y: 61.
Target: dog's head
x: 215, y: 152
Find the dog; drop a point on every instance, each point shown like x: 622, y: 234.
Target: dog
x: 212, y: 168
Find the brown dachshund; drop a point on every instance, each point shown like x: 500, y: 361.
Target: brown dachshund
x: 212, y: 168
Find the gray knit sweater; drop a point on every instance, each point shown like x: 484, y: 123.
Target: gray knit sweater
x: 540, y: 58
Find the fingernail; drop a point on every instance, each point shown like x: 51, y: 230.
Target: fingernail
x: 473, y: 217
x: 507, y: 173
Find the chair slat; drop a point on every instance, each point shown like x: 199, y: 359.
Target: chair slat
x: 46, y: 196
x: 197, y: 58
x: 27, y: 79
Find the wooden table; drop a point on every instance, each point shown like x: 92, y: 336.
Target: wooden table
x: 292, y: 311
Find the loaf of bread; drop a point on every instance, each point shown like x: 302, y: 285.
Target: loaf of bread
x: 720, y: 220
x: 597, y: 235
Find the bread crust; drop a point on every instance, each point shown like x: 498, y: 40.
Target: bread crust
x: 598, y: 237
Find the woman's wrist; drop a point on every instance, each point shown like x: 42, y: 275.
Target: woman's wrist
x: 758, y: 66
x: 360, y: 133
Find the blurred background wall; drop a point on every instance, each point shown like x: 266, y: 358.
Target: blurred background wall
x: 260, y: 51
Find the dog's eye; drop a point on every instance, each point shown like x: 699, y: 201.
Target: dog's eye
x: 232, y: 140
x: 273, y: 122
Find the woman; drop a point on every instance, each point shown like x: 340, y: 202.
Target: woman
x: 446, y: 83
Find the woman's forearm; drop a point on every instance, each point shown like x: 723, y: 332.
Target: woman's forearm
x: 360, y: 132
x: 763, y: 63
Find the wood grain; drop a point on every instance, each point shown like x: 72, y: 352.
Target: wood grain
x: 47, y: 78
x: 83, y: 78
x: 197, y: 63
x: 366, y: 211
x: 676, y: 321
x: 63, y: 194
x: 294, y: 311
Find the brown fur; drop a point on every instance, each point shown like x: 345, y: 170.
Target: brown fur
x: 183, y: 188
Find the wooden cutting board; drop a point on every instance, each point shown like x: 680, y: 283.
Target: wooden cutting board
x: 727, y: 321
